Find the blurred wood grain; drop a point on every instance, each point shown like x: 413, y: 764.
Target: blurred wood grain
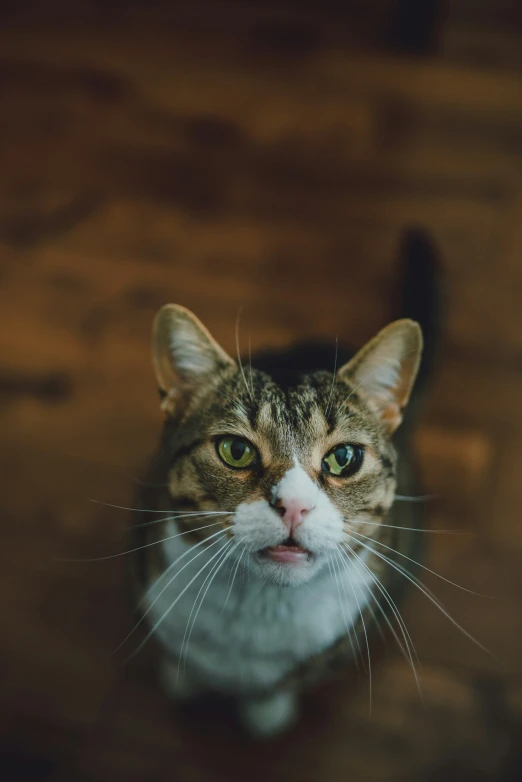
x: 227, y: 155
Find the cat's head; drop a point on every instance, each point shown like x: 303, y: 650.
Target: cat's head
x: 295, y: 468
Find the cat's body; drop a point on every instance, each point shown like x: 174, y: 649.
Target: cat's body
x: 274, y: 486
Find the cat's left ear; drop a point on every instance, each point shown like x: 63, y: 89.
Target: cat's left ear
x: 384, y: 370
x: 185, y: 355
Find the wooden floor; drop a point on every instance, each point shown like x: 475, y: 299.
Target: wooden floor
x: 249, y: 155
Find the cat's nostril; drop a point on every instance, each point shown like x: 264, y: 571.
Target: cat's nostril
x: 292, y: 512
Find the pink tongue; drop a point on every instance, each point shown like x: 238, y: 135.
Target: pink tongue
x: 286, y: 554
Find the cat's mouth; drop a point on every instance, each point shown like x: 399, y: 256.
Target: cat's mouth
x: 289, y: 551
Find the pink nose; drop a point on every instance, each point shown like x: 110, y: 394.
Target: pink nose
x: 292, y: 513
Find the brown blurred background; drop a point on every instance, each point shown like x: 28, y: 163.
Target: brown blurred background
x: 266, y: 155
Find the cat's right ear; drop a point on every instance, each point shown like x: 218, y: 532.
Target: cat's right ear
x: 184, y: 354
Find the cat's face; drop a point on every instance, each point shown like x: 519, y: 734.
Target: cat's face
x: 296, y: 469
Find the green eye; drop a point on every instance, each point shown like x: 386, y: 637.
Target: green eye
x: 236, y: 452
x: 343, y: 460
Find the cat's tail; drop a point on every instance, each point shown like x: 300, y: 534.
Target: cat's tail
x: 420, y: 295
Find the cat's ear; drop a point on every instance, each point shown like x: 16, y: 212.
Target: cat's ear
x: 184, y: 353
x: 383, y: 371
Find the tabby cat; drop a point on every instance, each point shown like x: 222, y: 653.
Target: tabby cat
x: 274, y: 485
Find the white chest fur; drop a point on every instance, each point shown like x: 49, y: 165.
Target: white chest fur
x: 249, y: 636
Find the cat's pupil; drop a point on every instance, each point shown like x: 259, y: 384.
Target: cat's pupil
x: 342, y: 455
x: 237, y: 449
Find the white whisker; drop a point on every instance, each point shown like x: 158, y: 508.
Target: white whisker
x: 250, y: 365
x: 370, y: 607
x: 179, y: 518
x: 327, y: 408
x: 172, y: 605
x: 409, y: 529
x: 374, y: 615
x: 403, y: 569
x: 232, y: 580
x: 239, y: 357
x: 163, y: 575
x: 421, y: 498
x: 428, y: 594
x: 149, y: 510
x: 227, y: 551
x: 407, y: 652
x: 464, y: 589
x: 364, y: 631
x: 349, y: 627
x: 139, y: 548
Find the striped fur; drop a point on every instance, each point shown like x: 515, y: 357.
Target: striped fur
x: 264, y: 628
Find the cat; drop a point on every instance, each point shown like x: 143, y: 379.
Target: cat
x: 275, y: 485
